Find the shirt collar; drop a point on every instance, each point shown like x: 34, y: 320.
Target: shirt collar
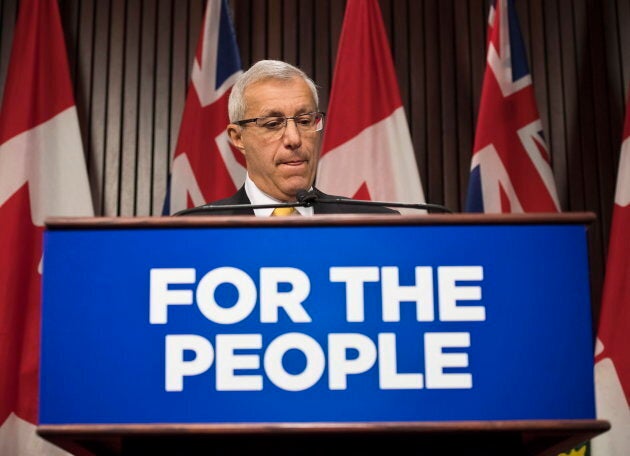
x: 257, y: 196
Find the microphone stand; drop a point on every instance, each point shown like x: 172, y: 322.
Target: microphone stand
x: 423, y: 206
x: 228, y: 207
x: 307, y: 199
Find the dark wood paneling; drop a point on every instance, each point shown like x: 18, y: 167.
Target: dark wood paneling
x: 130, y: 108
x: 131, y: 62
x: 306, y: 35
x: 162, y: 115
x: 433, y: 185
x: 557, y: 62
x: 114, y: 139
x: 8, y: 15
x: 448, y: 92
x: 146, y: 107
x: 464, y: 95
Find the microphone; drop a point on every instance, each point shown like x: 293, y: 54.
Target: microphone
x: 308, y: 198
x: 304, y: 198
x: 228, y: 207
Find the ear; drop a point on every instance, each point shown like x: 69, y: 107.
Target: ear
x: 234, y: 134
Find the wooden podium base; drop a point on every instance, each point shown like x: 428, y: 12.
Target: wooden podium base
x: 487, y: 438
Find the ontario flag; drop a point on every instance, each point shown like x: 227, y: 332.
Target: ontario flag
x: 205, y: 167
x: 511, y: 167
x: 42, y: 174
x: 612, y: 351
x: 367, y: 151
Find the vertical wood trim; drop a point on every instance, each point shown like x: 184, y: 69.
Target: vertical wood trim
x: 623, y: 8
x: 337, y: 13
x: 552, y: 60
x: 290, y: 36
x: 98, y: 106
x: 84, y: 62
x: 274, y: 21
x: 162, y: 114
x: 418, y: 103
x: 601, y: 112
x: 179, y: 69
x: 9, y: 13
x: 146, y: 108
x: 322, y: 65
x: 435, y: 191
x: 478, y: 50
x: 538, y: 63
x: 114, y: 109
x: 130, y: 99
x: 258, y: 31
x: 464, y: 95
x: 196, y: 12
x: 570, y: 106
x: 449, y: 104
x: 306, y: 35
x: 400, y: 51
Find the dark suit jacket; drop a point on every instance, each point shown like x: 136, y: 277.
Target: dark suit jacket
x: 240, y: 197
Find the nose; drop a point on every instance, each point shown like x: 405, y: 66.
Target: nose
x: 291, y: 137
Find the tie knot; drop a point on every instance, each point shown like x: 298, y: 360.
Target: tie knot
x: 284, y: 211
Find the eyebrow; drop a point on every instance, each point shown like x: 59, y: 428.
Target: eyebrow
x: 299, y: 112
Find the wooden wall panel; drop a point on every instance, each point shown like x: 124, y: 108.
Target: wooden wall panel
x: 554, y: 61
x: 463, y: 118
x: 146, y: 106
x: 130, y: 108
x: 131, y: 62
x: 417, y: 112
x: 8, y: 13
x: 448, y: 93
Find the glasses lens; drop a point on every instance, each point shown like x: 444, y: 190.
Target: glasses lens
x: 271, y: 123
x: 319, y: 121
x: 273, y: 127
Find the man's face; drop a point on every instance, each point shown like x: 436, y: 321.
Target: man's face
x: 286, y: 163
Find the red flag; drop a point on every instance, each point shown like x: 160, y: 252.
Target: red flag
x: 612, y: 353
x: 205, y: 167
x: 367, y: 151
x: 511, y: 169
x: 42, y: 173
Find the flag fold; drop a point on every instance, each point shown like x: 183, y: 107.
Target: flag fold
x: 612, y: 352
x: 42, y: 174
x: 511, y: 166
x: 367, y: 152
x: 205, y: 166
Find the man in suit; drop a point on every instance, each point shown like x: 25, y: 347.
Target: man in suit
x: 277, y: 126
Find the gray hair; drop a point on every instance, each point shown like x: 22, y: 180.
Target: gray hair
x: 261, y: 70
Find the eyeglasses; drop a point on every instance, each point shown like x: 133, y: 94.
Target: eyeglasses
x: 275, y: 125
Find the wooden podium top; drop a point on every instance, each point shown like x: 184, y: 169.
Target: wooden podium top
x: 536, y: 437
x: 585, y: 218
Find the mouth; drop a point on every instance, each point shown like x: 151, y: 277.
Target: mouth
x: 293, y: 163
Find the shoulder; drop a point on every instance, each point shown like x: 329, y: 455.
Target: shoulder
x: 240, y: 197
x: 334, y: 204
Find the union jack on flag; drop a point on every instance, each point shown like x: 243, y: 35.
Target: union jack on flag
x: 205, y: 167
x: 511, y: 169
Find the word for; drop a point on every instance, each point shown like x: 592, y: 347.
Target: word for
x: 270, y: 297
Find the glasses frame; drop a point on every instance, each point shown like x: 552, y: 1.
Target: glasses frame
x: 244, y: 122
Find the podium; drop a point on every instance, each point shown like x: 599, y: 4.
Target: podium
x: 213, y: 335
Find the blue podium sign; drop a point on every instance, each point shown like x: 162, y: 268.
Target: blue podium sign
x: 315, y: 322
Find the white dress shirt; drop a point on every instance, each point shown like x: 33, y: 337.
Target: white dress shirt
x: 257, y: 196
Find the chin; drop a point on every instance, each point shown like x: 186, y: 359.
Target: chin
x: 297, y: 183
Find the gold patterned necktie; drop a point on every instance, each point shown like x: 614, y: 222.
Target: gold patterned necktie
x: 284, y: 211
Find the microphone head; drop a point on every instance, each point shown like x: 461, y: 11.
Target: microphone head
x: 305, y: 197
